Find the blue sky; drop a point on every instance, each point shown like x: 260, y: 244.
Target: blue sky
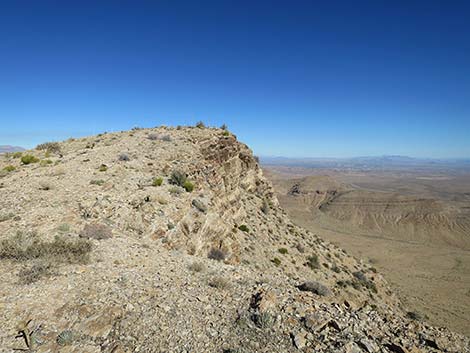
x: 290, y: 78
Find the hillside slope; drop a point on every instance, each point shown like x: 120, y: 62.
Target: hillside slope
x: 100, y: 255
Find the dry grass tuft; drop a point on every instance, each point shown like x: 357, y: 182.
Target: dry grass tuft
x: 27, y: 246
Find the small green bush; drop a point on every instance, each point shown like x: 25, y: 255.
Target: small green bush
x: 103, y: 168
x: 157, y: 181
x: 9, y: 168
x: 243, y: 228
x: 6, y: 216
x: 17, y: 154
x: 177, y: 177
x: 51, y: 147
x: 98, y: 182
x: 63, y: 228
x: 188, y: 186
x: 226, y: 133
x: 263, y: 319
x: 200, y: 125
x: 45, y: 162
x: 27, y: 159
x: 276, y: 261
x: 282, y: 251
x: 312, y: 262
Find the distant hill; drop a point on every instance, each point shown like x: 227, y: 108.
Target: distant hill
x: 370, y: 163
x: 7, y: 148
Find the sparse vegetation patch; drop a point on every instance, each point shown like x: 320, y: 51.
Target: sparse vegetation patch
x: 9, y: 168
x: 28, y: 159
x: 244, y: 228
x: 28, y: 246
x: 157, y: 181
x: 312, y: 262
x: 51, y: 147
x: 217, y: 254
x: 179, y: 178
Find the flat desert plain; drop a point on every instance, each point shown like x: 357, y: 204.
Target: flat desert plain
x: 412, y: 225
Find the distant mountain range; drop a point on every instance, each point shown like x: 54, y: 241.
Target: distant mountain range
x: 369, y: 162
x: 7, y: 148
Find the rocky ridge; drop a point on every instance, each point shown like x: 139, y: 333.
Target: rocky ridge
x: 219, y: 268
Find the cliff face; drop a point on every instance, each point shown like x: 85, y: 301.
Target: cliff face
x: 115, y: 253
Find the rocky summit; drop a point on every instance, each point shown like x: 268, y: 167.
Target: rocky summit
x: 171, y: 240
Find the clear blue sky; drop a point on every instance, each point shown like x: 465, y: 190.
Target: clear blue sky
x: 290, y: 78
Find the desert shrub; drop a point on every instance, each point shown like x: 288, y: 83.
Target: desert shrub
x: 123, y: 157
x: 155, y: 137
x: 35, y: 272
x: 200, y: 125
x: 27, y: 246
x: 244, y: 228
x: 51, y: 147
x: 97, y: 182
x: 217, y: 254
x: 225, y: 133
x: 63, y: 228
x: 364, y: 281
x: 6, y: 216
x: 188, y: 186
x: 103, y: 168
x: 197, y: 267
x: 300, y: 248
x: 45, y: 162
x: 28, y: 159
x: 312, y: 262
x: 218, y: 282
x: 45, y: 185
x: 199, y: 205
x: 265, y: 206
x: 413, y: 315
x: 223, y: 127
x: 177, y: 177
x: 175, y: 190
x: 336, y: 269
x: 263, y: 319
x: 96, y: 231
x: 9, y: 168
x: 17, y: 154
x: 157, y: 181
x: 282, y: 251
x: 65, y: 338
x: 315, y: 287
x: 276, y: 261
